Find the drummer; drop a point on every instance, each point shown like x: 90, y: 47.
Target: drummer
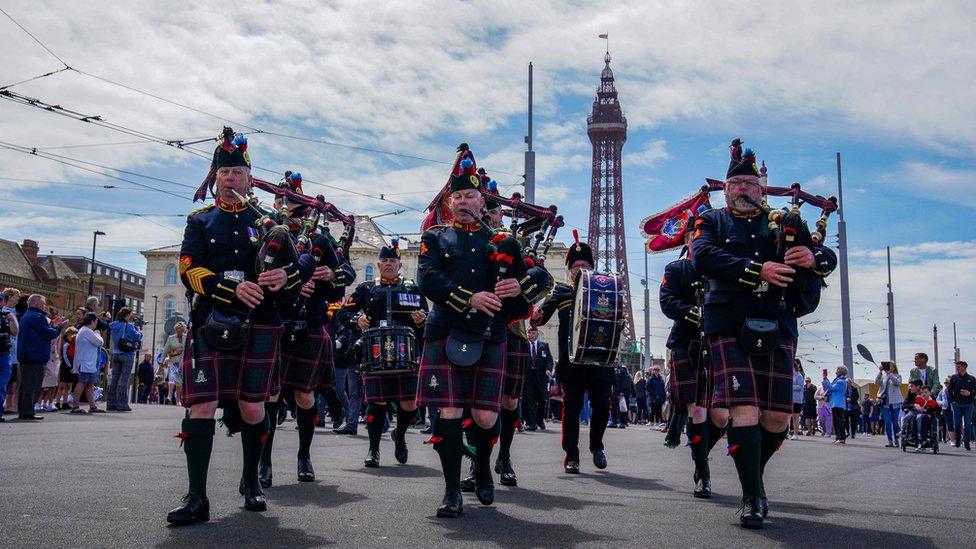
x: 406, y: 308
x: 577, y: 378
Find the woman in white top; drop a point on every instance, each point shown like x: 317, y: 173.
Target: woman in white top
x: 88, y: 343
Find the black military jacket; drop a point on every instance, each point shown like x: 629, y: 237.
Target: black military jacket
x: 220, y: 245
x: 729, y: 249
x: 405, y: 298
x: 561, y: 301
x: 679, y: 302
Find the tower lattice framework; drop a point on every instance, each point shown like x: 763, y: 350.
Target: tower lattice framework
x: 607, y: 128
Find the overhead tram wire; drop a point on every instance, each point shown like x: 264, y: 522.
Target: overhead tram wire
x: 143, y: 216
x: 36, y: 39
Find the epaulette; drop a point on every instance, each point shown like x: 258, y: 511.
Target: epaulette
x: 205, y: 208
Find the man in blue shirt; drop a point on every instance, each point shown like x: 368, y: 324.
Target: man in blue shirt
x: 33, y: 352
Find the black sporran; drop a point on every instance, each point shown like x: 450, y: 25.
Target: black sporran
x: 464, y: 348
x: 225, y: 332
x: 295, y: 336
x: 759, y: 336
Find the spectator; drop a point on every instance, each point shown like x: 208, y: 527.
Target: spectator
x: 87, y: 346
x: 946, y: 425
x: 33, y: 352
x: 920, y: 417
x: 962, y: 387
x: 824, y: 415
x: 925, y: 373
x: 622, y: 388
x: 657, y: 393
x: 173, y: 359
x: 640, y: 389
x: 79, y: 318
x: 798, y: 379
x: 837, y: 397
x: 853, y: 408
x: 889, y: 400
x: 66, y: 377
x: 810, y: 407
x: 8, y: 333
x: 49, y: 386
x: 867, y: 406
x: 126, y: 340
x: 146, y: 377
x: 914, y: 389
x: 12, y: 390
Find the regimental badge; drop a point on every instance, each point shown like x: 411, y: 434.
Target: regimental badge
x: 375, y: 350
x: 201, y: 377
x: 603, y: 301
x: 759, y: 343
x: 600, y: 337
x: 735, y: 383
x: 433, y: 382
x: 388, y: 347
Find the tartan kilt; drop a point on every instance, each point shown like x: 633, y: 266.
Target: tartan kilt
x: 739, y: 379
x: 686, y: 384
x: 478, y: 386
x: 390, y: 388
x: 247, y: 374
x: 311, y: 368
x: 515, y: 363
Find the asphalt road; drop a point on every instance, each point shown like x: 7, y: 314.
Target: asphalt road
x: 108, y: 481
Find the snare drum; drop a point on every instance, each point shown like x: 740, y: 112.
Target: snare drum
x: 389, y: 350
x: 597, y: 319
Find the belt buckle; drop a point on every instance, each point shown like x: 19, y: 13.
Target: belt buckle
x: 763, y: 287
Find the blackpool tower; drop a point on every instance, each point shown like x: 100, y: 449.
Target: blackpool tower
x: 607, y: 129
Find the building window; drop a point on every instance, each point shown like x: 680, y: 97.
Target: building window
x: 170, y: 275
x: 169, y: 307
x: 369, y: 272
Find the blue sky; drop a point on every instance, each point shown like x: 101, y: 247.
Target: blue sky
x: 797, y: 83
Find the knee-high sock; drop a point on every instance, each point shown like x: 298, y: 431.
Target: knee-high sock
x: 508, y: 419
x: 270, y: 411
x: 744, y: 447
x: 198, y: 435
x: 699, y: 443
x: 375, y: 416
x: 446, y: 438
x: 253, y: 438
x: 306, y: 419
x: 484, y: 440
x: 715, y: 434
x: 404, y: 419
x: 770, y: 442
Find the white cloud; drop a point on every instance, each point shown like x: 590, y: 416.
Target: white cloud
x: 652, y: 153
x: 955, y: 186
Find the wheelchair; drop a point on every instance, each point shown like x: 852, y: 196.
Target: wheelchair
x: 927, y: 441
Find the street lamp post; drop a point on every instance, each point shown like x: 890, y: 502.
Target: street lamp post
x: 91, y: 276
x: 155, y: 311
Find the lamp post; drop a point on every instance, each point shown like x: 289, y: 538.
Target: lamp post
x: 155, y: 311
x: 91, y: 276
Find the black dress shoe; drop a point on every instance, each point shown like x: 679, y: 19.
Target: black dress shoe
x: 336, y: 423
x: 600, y: 459
x: 194, y: 509
x: 530, y: 428
x: 400, y: 452
x: 504, y: 468
x: 750, y: 515
x: 305, y: 471
x: 451, y: 506
x: 34, y: 417
x: 265, y: 476
x: 763, y: 506
x: 542, y: 426
x: 254, y: 499
x: 572, y: 466
x: 347, y: 429
x: 484, y: 489
x: 372, y: 458
x: 703, y: 487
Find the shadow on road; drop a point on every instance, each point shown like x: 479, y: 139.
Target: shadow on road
x: 486, y: 525
x: 823, y: 534
x: 310, y: 493
x: 625, y: 482
x: 531, y: 499
x: 398, y: 471
x: 251, y: 529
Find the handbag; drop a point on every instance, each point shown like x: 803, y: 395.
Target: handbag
x: 225, y: 332
x: 622, y: 403
x: 127, y: 345
x: 464, y: 348
x: 759, y: 336
x: 295, y: 336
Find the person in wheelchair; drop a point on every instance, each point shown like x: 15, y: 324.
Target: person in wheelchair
x: 920, y: 420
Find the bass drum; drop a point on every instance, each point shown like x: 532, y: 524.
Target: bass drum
x: 597, y: 319
x: 389, y: 350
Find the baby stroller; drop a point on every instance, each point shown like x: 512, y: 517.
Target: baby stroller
x: 927, y: 440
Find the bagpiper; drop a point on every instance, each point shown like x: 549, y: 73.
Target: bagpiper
x: 232, y: 350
